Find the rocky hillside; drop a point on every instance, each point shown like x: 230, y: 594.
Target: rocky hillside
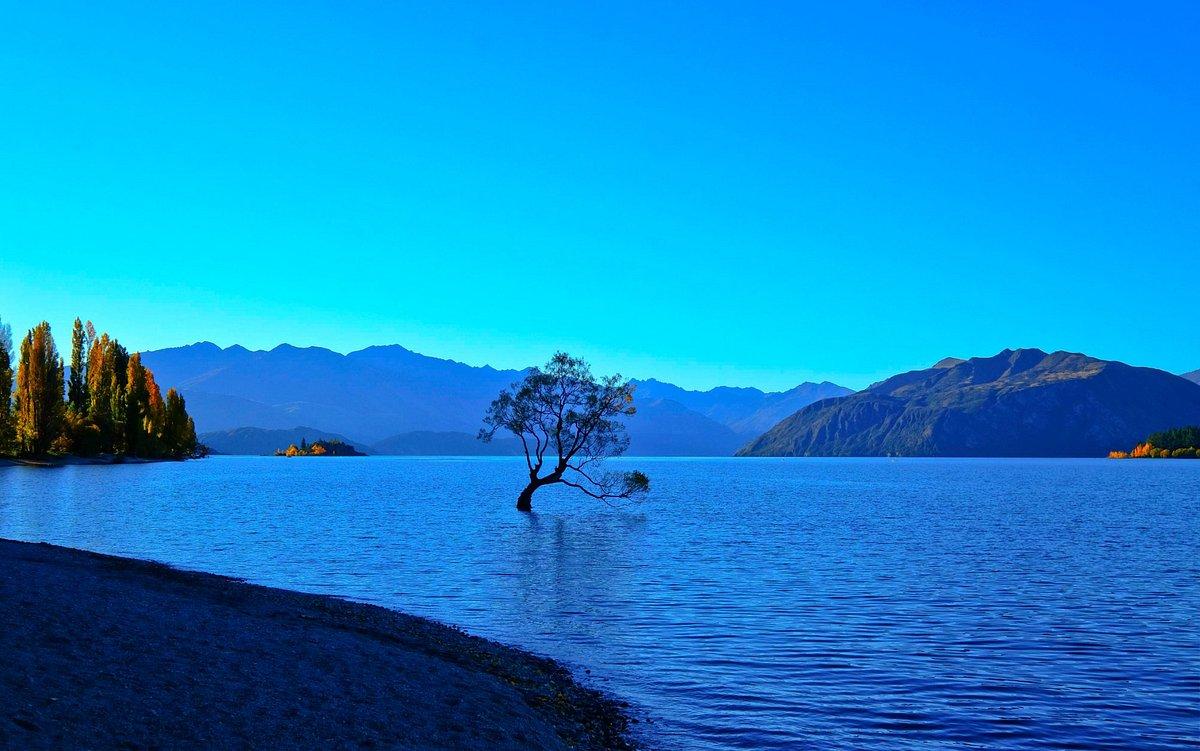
x: 1018, y: 403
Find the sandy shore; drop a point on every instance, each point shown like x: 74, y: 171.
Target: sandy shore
x: 105, y: 652
x: 66, y: 461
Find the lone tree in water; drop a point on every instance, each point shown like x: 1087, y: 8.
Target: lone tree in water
x: 566, y: 420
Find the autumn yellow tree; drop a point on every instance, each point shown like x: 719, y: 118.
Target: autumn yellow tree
x: 8, y: 435
x: 155, y: 417
x: 39, y: 398
x: 1141, y: 451
x: 136, y: 401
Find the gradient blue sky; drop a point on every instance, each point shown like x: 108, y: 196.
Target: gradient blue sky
x: 710, y: 194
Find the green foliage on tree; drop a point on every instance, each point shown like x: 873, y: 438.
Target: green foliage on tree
x: 568, y: 422
x: 107, y: 371
x: 1176, y: 438
x: 77, y: 385
x: 113, y: 404
x: 137, y: 399
x: 179, y: 433
x: 321, y: 447
x: 1176, y: 443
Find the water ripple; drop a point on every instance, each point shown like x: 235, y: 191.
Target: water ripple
x: 749, y: 604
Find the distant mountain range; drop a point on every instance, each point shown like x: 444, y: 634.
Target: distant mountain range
x: 1194, y: 376
x: 389, y: 399
x: 1018, y: 403
x: 265, y: 442
x: 262, y: 442
x: 747, y: 412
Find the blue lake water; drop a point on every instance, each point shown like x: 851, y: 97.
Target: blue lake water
x: 748, y: 603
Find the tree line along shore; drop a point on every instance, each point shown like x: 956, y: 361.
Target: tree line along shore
x: 324, y: 447
x: 107, y: 403
x: 1176, y: 443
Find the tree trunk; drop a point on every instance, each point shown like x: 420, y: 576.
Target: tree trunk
x: 525, y: 500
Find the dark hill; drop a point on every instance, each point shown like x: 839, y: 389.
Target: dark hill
x: 1017, y: 403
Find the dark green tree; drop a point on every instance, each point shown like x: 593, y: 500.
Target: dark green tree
x: 568, y: 422
x: 179, y: 432
x: 137, y: 407
x: 1176, y: 438
x: 77, y: 385
x: 107, y: 372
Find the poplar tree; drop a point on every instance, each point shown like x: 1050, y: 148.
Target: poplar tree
x: 107, y: 371
x: 39, y: 392
x: 98, y: 383
x: 7, y: 428
x: 156, y: 416
x: 136, y: 403
x: 179, y: 430
x: 113, y: 403
x: 77, y: 386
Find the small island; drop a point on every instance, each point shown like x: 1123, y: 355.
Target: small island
x: 325, y: 447
x: 1176, y: 443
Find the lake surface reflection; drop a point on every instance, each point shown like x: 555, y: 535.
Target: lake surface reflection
x: 748, y: 603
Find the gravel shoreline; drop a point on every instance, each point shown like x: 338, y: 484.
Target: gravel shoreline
x: 105, y: 652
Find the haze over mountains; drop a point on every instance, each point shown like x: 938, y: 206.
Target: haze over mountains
x: 388, y: 399
x: 391, y: 400
x: 1194, y: 376
x: 1017, y: 403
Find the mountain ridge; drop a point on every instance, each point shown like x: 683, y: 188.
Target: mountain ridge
x: 382, y: 391
x: 251, y: 441
x: 1022, y: 402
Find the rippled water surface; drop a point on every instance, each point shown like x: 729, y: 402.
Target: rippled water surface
x: 747, y: 603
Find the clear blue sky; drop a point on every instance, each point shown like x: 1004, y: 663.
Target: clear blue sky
x: 752, y: 194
